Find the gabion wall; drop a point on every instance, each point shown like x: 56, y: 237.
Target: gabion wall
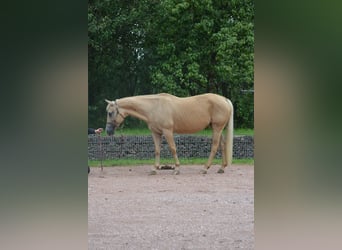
x: 142, y: 147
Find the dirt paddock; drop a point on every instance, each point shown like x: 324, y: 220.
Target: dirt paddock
x: 129, y: 209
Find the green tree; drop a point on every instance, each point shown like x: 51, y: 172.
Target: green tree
x: 115, y: 53
x: 205, y: 46
x: 180, y: 47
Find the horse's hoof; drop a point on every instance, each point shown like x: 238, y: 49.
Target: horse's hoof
x: 203, y: 171
x: 176, y: 172
x: 220, y: 171
x: 153, y: 172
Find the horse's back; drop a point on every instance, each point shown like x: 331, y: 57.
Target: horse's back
x: 208, y: 100
x: 192, y: 103
x: 165, y: 94
x: 201, y: 102
x: 202, y: 97
x: 212, y: 97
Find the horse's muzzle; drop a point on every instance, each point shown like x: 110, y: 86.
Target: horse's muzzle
x: 110, y: 129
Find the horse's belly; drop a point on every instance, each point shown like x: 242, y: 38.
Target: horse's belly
x: 189, y: 129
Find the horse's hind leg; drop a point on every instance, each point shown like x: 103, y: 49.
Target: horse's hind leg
x: 224, y: 155
x: 214, y: 147
x: 169, y: 138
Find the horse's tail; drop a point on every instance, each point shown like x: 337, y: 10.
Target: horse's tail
x: 229, y: 135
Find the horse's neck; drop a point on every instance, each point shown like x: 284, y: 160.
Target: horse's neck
x: 137, y: 106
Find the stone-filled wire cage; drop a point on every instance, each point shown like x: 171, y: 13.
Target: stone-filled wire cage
x: 142, y: 147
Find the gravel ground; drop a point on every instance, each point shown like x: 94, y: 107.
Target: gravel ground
x: 129, y: 209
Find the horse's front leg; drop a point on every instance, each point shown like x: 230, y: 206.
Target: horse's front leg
x: 169, y: 138
x: 157, y: 141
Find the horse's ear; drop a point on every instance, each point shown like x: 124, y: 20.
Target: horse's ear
x: 109, y: 102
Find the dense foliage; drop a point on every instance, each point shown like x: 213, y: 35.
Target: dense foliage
x: 183, y: 48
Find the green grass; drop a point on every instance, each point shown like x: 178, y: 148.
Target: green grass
x: 146, y: 131
x: 242, y: 131
x: 183, y: 161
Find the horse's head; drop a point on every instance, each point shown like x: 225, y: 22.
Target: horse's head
x: 114, y: 117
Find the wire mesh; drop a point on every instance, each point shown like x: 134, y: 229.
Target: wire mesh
x: 142, y: 147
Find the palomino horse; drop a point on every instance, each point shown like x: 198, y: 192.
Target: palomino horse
x: 167, y: 114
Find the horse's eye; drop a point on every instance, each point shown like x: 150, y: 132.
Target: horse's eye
x: 110, y: 114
